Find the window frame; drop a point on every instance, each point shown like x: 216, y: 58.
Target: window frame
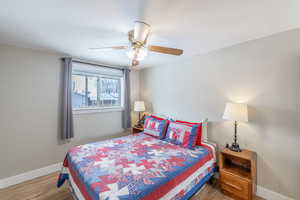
x: 95, y: 109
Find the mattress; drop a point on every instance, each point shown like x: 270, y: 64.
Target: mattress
x: 136, y: 167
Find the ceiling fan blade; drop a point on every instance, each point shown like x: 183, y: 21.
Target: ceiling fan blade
x: 108, y: 48
x: 165, y: 50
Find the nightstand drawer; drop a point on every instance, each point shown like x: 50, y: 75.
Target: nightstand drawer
x: 235, y: 185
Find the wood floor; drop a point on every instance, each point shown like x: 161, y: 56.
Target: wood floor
x: 44, y: 188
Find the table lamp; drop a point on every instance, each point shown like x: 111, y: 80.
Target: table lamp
x: 238, y: 113
x: 139, y: 106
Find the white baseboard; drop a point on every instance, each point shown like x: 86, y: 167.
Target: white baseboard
x: 6, y: 182
x: 270, y: 195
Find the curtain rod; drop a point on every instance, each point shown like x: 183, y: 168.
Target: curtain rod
x: 79, y: 60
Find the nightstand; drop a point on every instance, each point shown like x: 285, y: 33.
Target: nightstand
x: 238, y: 173
x: 137, y: 129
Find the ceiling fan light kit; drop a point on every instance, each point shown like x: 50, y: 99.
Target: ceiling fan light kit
x: 137, y: 49
x: 141, y: 32
x: 138, y: 54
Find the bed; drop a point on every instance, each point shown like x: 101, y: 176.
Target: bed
x: 136, y: 167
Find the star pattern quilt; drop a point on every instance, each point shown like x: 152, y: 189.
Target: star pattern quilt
x: 131, y: 167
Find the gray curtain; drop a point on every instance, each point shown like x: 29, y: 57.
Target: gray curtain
x: 126, y: 114
x: 67, y: 115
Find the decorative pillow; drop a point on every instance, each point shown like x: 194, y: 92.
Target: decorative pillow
x: 155, y: 127
x: 182, y: 134
x: 156, y: 117
x: 198, y: 132
x: 161, y: 117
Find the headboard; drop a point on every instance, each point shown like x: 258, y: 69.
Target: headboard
x: 204, y: 129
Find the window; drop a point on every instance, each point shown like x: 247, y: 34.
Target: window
x: 96, y: 87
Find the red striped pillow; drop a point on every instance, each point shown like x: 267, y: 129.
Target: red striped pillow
x: 155, y: 127
x: 199, y: 130
x: 182, y: 134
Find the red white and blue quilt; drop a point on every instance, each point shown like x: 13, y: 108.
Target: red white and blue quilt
x: 132, y: 167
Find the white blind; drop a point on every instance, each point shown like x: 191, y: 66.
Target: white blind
x: 94, y: 69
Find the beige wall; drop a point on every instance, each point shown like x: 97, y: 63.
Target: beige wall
x: 265, y: 74
x: 30, y: 85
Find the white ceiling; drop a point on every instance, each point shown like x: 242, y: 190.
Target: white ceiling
x: 197, y: 26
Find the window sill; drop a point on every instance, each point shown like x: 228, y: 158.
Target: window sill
x: 95, y: 110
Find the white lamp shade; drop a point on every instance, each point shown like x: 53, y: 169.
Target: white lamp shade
x: 141, y: 30
x: 139, y: 106
x: 236, y: 112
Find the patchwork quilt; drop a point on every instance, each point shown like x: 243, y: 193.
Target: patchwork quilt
x: 132, y: 167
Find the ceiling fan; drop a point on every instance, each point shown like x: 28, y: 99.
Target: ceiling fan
x: 138, y: 48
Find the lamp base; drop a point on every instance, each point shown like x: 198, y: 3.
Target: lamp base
x: 139, y: 125
x: 235, y: 147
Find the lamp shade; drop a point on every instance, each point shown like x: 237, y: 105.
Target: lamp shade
x: 236, y: 112
x: 141, y: 31
x: 139, y: 106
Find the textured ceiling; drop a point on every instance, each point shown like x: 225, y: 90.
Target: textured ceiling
x: 197, y: 26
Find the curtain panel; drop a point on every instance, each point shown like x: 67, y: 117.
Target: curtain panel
x: 67, y: 115
x: 126, y: 114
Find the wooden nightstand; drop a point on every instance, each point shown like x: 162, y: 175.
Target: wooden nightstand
x: 238, y: 173
x: 137, y: 129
